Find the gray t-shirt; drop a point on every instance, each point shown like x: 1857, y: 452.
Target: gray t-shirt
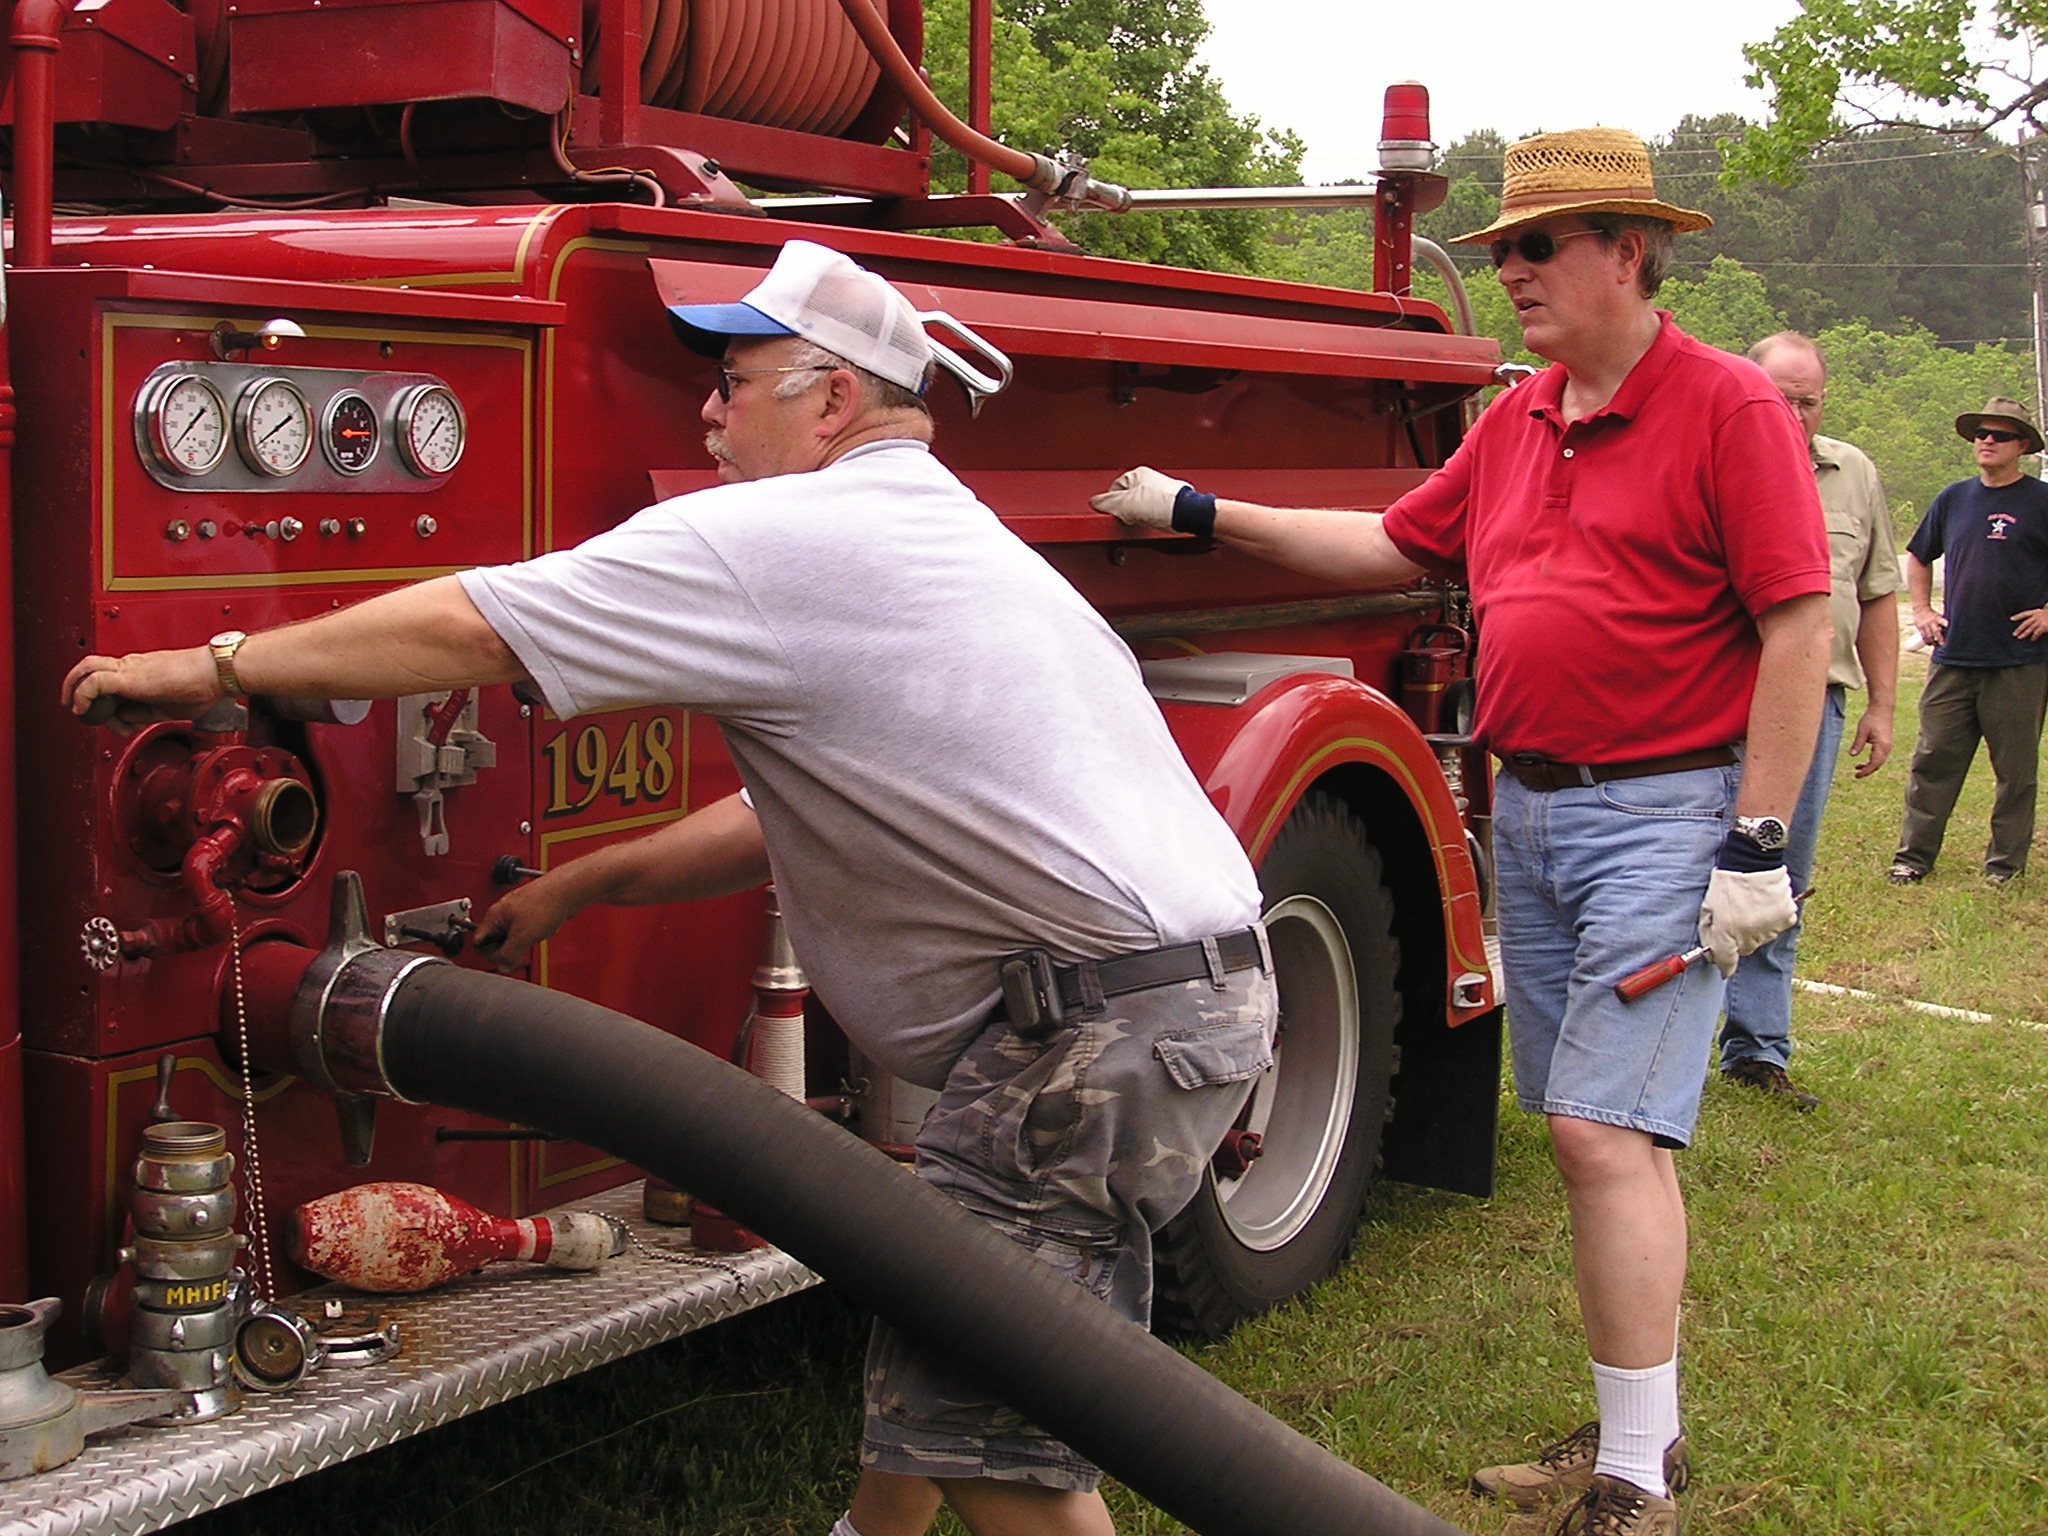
x: 951, y: 754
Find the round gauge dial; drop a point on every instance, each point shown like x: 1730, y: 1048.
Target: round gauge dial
x: 349, y: 433
x: 431, y: 431
x: 274, y: 426
x: 185, y: 423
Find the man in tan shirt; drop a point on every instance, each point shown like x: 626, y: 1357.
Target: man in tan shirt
x: 1756, y: 1041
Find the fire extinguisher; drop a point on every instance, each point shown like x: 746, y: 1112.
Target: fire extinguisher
x: 1436, y: 671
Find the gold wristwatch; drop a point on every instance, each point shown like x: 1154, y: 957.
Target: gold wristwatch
x: 224, y: 645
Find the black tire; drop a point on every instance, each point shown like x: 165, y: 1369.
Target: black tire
x: 1248, y: 1242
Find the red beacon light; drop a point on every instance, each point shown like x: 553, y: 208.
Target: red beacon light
x: 1404, y: 128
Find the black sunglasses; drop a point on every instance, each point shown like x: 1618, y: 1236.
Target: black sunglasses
x: 1996, y: 436
x: 1536, y: 247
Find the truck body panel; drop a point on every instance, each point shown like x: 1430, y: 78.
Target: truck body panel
x: 430, y: 256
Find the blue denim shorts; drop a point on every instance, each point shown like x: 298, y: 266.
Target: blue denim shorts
x: 1595, y: 883
x: 1079, y: 1146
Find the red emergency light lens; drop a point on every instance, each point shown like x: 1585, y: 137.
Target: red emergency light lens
x: 1407, y: 112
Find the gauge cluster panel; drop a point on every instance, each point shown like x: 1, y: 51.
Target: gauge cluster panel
x: 371, y: 451
x: 241, y: 427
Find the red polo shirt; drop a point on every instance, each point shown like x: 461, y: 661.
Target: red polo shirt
x: 1616, y: 564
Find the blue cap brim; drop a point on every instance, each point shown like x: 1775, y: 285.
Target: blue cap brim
x: 705, y: 328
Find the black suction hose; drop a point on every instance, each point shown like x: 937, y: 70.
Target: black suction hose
x: 1148, y: 1416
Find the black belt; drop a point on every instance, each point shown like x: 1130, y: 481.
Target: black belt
x: 1535, y: 771
x: 1149, y: 968
x: 1047, y: 994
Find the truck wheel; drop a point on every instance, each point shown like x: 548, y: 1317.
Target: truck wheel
x: 1259, y: 1233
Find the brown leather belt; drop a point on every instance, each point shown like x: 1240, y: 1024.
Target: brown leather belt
x: 1534, y: 771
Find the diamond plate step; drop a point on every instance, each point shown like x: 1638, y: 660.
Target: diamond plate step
x: 487, y: 1337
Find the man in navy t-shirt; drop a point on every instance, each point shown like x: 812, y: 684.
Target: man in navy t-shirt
x: 1988, y: 679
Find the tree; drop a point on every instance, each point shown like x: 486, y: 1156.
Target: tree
x: 1474, y: 166
x: 1896, y: 396
x: 1335, y: 248
x: 1898, y: 227
x: 1118, y: 83
x: 1726, y: 308
x: 1859, y: 56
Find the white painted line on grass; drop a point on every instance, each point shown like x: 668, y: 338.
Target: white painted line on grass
x: 1968, y: 1015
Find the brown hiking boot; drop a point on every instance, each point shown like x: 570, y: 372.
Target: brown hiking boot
x: 1768, y: 1077
x: 1565, y: 1469
x: 1611, y: 1507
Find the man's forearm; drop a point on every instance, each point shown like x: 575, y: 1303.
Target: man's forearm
x: 1784, y: 712
x: 1877, y: 651
x: 712, y: 852
x: 1350, y: 548
x: 418, y: 639
x: 1919, y: 583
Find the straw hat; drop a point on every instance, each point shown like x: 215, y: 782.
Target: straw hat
x: 1998, y: 408
x: 1586, y: 170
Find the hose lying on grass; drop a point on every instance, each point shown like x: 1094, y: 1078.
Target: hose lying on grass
x: 1148, y: 1416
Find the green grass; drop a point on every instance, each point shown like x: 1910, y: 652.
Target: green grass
x: 1865, y: 1337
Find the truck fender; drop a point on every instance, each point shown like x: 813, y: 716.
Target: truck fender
x: 1314, y: 729
x: 1320, y: 732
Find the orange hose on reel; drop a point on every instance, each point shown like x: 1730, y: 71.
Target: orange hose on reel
x: 794, y: 64
x: 812, y: 50
x: 743, y: 56
x: 661, y: 39
x: 874, y: 31
x: 664, y: 93
x: 858, y: 73
x: 768, y: 93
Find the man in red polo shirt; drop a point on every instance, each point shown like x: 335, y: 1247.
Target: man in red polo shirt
x: 1649, y: 569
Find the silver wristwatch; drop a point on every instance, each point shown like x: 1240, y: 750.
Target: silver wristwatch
x: 1767, y: 832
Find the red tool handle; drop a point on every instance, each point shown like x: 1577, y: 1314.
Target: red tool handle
x: 1642, y: 983
x: 1651, y: 977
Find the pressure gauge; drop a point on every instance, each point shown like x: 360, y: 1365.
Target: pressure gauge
x: 431, y: 431
x: 184, y: 422
x: 349, y: 432
x: 273, y: 426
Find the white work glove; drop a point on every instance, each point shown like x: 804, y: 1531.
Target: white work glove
x: 1142, y: 497
x: 1745, y: 910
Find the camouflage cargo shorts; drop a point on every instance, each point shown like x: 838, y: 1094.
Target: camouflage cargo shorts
x: 1079, y: 1146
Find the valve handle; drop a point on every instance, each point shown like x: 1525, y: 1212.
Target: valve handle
x: 448, y: 940
x: 161, y: 1112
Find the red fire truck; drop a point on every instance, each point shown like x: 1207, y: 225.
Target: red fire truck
x: 305, y: 300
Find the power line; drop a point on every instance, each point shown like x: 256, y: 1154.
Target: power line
x: 1663, y: 152
x: 1887, y: 266
x: 1833, y: 165
x: 1480, y: 260
x: 1807, y: 166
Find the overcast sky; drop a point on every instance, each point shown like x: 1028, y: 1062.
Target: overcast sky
x: 1320, y: 67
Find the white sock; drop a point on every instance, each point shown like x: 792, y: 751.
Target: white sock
x: 1638, y: 1419
x: 845, y: 1527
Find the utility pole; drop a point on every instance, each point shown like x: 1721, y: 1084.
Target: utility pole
x: 2034, y: 175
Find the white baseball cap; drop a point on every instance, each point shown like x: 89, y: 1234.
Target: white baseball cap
x: 826, y: 298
